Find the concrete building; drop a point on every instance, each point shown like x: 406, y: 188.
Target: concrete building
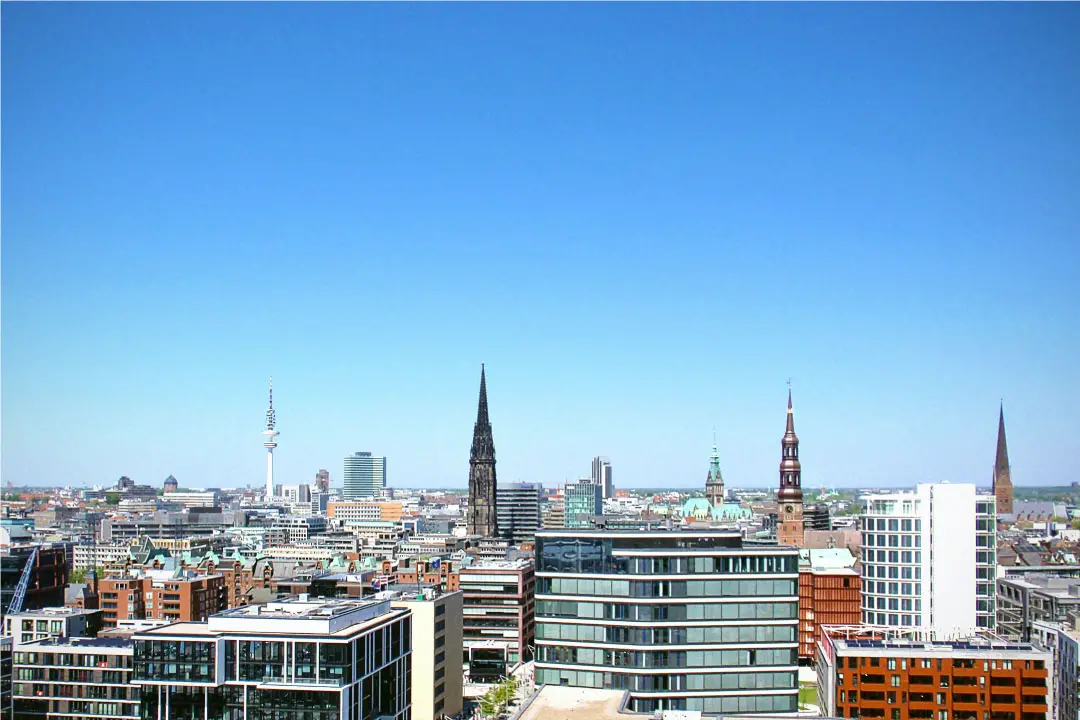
x: 294, y: 493
x: 1025, y: 599
x: 687, y: 620
x: 518, y: 510
x: 100, y: 555
x: 601, y: 475
x: 365, y: 476
x: 499, y: 616
x: 929, y: 559
x: 192, y: 498
x: 436, y: 651
x: 66, y: 678
x: 180, y: 596
x: 351, y: 511
x: 296, y: 658
x: 583, y: 501
x: 53, y: 622
x: 295, y: 529
x: 828, y: 595
x: 898, y: 674
x: 1063, y: 639
x: 322, y: 481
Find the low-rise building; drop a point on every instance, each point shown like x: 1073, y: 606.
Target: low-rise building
x: 296, y: 529
x: 350, y: 510
x: 1024, y: 599
x: 65, y: 678
x: 54, y: 622
x: 100, y: 555
x: 1063, y: 639
x: 294, y: 658
x: 898, y: 674
x: 828, y: 595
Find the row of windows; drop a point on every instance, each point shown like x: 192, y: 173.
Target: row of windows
x: 893, y: 588
x: 664, y: 682
x: 893, y: 619
x: 665, y: 588
x: 893, y: 556
x: 73, y: 660
x: 717, y: 705
x: 649, y: 613
x: 870, y: 540
x: 666, y: 636
x: 906, y: 604
x: 892, y: 525
x: 595, y: 555
x: 666, y: 658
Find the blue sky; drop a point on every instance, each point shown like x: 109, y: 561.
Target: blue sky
x: 644, y: 218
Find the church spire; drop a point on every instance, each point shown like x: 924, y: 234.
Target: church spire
x: 481, y: 516
x: 1003, y: 487
x: 790, y: 496
x: 714, y: 481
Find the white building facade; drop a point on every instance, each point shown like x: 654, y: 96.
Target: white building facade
x: 928, y: 559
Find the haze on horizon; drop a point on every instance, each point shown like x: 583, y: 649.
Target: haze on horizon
x: 644, y: 218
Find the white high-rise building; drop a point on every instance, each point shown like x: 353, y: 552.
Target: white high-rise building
x: 364, y: 476
x: 928, y: 559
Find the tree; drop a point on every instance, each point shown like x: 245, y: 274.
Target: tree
x: 112, y: 498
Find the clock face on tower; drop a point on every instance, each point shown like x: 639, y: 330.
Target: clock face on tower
x: 789, y: 509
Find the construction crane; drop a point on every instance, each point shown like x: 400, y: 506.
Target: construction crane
x: 24, y: 584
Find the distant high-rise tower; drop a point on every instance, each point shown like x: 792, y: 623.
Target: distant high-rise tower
x: 601, y: 475
x: 790, y: 499
x: 482, y: 518
x: 714, y: 481
x: 364, y: 476
x: 270, y: 443
x: 322, y: 480
x: 1003, y: 487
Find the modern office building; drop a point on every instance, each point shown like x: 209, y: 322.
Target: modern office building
x: 499, y: 616
x: 193, y: 498
x: 518, y: 506
x: 929, y: 559
x: 66, y: 678
x: 54, y: 622
x: 1023, y: 600
x: 683, y: 619
x: 300, y: 493
x: 601, y: 475
x: 345, y: 512
x: 828, y: 595
x: 904, y: 674
x: 294, y: 529
x: 436, y: 651
x: 293, y: 659
x: 365, y: 476
x: 46, y: 568
x: 583, y: 500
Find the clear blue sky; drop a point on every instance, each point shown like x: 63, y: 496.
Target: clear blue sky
x: 644, y: 218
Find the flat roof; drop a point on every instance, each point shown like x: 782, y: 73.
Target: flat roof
x: 96, y: 643
x: 619, y: 532
x: 54, y: 612
x: 570, y: 703
x: 976, y: 648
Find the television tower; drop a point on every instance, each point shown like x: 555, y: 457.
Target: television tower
x: 270, y: 434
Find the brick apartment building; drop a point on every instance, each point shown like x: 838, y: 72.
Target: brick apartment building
x: 177, y: 596
x: 828, y: 595
x: 878, y: 672
x: 499, y: 616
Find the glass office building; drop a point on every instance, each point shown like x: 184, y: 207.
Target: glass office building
x: 683, y: 620
x: 364, y: 476
x: 584, y: 500
x: 292, y: 659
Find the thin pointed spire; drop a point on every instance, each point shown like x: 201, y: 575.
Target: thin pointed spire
x: 1001, y: 460
x: 481, y: 407
x: 790, y: 414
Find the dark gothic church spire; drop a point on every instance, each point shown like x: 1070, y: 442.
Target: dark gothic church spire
x: 1003, y: 487
x: 482, y: 483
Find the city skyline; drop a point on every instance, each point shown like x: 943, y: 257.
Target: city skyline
x: 877, y: 201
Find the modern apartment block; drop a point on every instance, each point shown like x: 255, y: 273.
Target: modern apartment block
x: 179, y: 596
x: 293, y: 659
x: 365, y: 476
x: 1063, y: 640
x: 682, y: 619
x: 1023, y: 600
x: 436, y: 651
x: 55, y: 622
x: 828, y: 595
x: 583, y: 500
x: 100, y: 555
x: 897, y: 674
x: 66, y: 678
x: 518, y: 511
x: 929, y: 559
x: 498, y: 616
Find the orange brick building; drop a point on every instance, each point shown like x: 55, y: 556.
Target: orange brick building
x: 828, y: 595
x: 876, y: 672
x: 139, y: 597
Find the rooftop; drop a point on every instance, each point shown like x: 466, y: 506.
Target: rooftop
x: 567, y: 703
x: 54, y: 612
x: 97, y: 643
x: 1060, y: 587
x: 520, y: 564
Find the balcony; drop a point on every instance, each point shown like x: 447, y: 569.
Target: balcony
x: 278, y: 682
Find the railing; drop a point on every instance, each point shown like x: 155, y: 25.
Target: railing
x: 281, y: 680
